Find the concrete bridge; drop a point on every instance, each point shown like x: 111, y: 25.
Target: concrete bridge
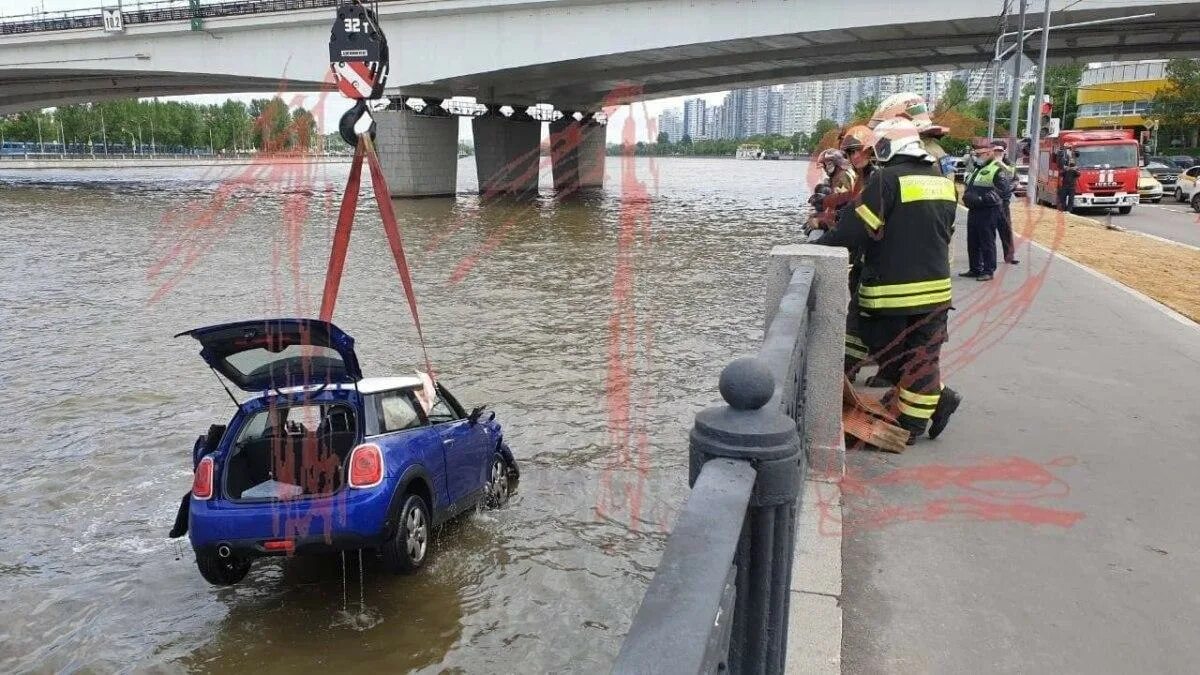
x: 574, y: 54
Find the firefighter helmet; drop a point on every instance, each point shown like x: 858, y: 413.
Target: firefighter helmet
x: 897, y: 136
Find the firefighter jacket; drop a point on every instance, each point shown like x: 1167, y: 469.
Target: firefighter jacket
x: 902, y: 223
x: 988, y: 186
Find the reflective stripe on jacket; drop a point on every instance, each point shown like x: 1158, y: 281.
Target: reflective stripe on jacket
x: 903, y: 223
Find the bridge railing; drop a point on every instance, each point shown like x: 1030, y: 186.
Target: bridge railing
x: 151, y: 12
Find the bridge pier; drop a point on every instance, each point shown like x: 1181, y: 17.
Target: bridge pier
x: 418, y: 151
x: 577, y: 153
x: 507, y: 152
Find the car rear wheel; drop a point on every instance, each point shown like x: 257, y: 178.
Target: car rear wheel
x: 220, y: 571
x: 1178, y: 195
x: 1196, y: 202
x: 406, y: 551
x: 497, y: 486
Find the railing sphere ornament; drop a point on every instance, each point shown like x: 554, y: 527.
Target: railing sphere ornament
x: 746, y: 384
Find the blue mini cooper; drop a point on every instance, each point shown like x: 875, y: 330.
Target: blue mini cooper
x: 321, y: 459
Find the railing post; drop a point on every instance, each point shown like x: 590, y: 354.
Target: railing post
x: 749, y: 430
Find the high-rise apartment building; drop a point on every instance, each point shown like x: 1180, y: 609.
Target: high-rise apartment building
x: 693, y: 118
x: 801, y: 107
x: 670, y: 122
x: 774, y: 111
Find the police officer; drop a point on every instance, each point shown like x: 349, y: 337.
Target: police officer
x: 1005, y: 226
x: 987, y: 190
x: 903, y: 222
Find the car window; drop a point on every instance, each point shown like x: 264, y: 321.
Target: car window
x: 441, y: 411
x: 397, y: 412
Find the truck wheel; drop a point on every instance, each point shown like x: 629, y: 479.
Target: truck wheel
x: 405, y: 552
x: 1124, y: 210
x: 220, y: 571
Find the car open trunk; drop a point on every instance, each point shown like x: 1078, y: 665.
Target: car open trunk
x: 291, y: 451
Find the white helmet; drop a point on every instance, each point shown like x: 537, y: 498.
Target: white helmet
x: 911, y: 106
x: 897, y: 136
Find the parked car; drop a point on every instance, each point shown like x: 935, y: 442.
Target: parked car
x: 1183, y: 161
x: 1021, y: 186
x: 1166, y: 174
x: 1149, y: 189
x: 960, y: 169
x: 322, y: 459
x: 1185, y: 187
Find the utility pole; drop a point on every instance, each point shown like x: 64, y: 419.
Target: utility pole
x: 41, y: 143
x: 1036, y: 132
x: 62, y: 137
x: 996, y: 71
x: 153, y: 107
x: 103, y: 132
x: 1015, y: 116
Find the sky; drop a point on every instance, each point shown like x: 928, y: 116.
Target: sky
x: 334, y: 105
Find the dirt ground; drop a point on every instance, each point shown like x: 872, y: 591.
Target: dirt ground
x: 1168, y: 273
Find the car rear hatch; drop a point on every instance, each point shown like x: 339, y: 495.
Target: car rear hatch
x: 265, y: 354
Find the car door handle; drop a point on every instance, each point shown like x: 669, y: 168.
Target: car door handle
x: 447, y: 441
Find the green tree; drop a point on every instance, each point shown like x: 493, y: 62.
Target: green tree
x: 953, y: 98
x: 865, y: 108
x: 823, y: 127
x: 1176, y: 107
x: 663, y: 138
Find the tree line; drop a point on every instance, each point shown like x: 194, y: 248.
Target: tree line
x: 265, y: 125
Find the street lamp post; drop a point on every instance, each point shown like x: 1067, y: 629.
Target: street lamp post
x: 41, y: 143
x: 1015, y: 116
x: 1036, y: 132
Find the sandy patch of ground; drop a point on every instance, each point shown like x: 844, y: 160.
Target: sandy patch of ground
x: 1168, y: 273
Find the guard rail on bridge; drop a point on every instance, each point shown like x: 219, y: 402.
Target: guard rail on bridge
x: 719, y: 601
x: 151, y: 12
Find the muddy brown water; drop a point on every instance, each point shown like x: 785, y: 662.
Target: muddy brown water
x: 595, y: 327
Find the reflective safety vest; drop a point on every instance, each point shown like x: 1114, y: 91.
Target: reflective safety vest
x: 908, y: 209
x: 985, y: 176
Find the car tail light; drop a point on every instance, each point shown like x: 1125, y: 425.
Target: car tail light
x: 286, y: 545
x: 366, y: 466
x: 202, y: 484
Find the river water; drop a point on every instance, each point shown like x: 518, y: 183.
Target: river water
x: 594, y: 326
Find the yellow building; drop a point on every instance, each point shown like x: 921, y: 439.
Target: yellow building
x: 1117, y: 96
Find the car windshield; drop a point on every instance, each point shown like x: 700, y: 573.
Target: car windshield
x: 1114, y: 156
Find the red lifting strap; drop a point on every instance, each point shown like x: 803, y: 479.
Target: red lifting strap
x: 341, y: 238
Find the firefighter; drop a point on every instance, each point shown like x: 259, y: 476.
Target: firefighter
x: 986, y: 189
x: 841, y: 180
x: 1004, y: 227
x: 903, y: 222
x: 855, y: 143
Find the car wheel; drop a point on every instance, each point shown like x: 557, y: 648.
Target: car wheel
x: 220, y: 571
x: 1196, y: 202
x: 1178, y: 195
x: 497, y: 485
x: 406, y: 551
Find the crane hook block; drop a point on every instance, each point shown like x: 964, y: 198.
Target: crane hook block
x: 358, y: 52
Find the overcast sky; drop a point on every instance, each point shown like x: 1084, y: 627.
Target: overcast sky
x: 335, y: 105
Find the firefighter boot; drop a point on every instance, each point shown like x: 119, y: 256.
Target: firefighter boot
x: 946, y: 406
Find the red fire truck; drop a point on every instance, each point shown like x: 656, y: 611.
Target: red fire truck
x: 1107, y: 161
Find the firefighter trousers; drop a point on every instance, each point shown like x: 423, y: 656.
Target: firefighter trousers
x: 908, y: 351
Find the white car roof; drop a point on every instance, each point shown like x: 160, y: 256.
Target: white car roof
x: 367, y: 385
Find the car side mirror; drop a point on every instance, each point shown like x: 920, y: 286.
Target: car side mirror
x: 474, y: 417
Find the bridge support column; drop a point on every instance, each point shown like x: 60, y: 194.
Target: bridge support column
x: 507, y: 152
x: 577, y: 153
x: 418, y: 151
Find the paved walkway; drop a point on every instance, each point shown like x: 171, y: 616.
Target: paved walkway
x: 1053, y: 527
